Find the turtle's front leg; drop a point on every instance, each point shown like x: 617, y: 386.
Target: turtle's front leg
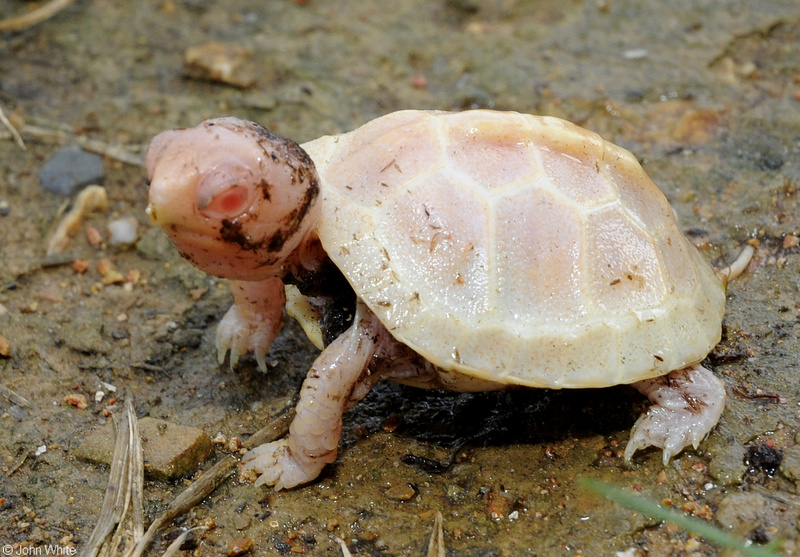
x: 332, y: 385
x: 687, y: 404
x: 253, y: 321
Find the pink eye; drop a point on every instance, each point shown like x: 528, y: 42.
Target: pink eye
x: 229, y: 203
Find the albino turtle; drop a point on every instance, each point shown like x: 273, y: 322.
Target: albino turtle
x: 486, y: 249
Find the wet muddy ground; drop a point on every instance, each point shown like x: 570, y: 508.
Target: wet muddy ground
x: 706, y: 94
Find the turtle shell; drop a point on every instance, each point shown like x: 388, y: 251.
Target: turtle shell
x: 514, y: 248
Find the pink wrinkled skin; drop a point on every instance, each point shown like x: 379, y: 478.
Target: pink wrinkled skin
x: 223, y: 203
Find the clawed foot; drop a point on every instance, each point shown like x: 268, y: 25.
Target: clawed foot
x: 335, y: 381
x: 240, y: 335
x: 672, y: 430
x: 274, y: 464
x: 252, y: 322
x: 687, y: 404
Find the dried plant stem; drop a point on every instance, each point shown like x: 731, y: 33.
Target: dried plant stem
x: 125, y: 489
x: 137, y: 477
x: 90, y: 199
x: 33, y: 17
x: 175, y: 546
x: 127, y: 454
x: 276, y: 428
x: 54, y: 135
x: 15, y: 398
x: 738, y: 267
x: 436, y: 544
x: 12, y: 130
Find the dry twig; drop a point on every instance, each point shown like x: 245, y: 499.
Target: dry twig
x: 12, y: 130
x: 54, y: 135
x: 90, y: 199
x: 33, y: 17
x: 121, y: 479
x: 205, y: 484
x: 738, y: 267
x: 436, y: 543
x: 14, y: 397
x: 125, y: 489
x: 175, y: 546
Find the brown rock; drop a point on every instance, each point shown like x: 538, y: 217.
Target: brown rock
x: 221, y: 62
x: 170, y: 450
x: 401, y: 492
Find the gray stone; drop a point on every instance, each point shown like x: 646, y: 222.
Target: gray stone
x: 70, y: 169
x: 790, y: 465
x: 727, y: 466
x: 746, y: 514
x: 155, y: 244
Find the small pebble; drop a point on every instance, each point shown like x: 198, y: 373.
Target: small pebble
x: 5, y: 347
x: 419, y: 81
x: 109, y: 387
x: 636, y: 54
x: 233, y: 445
x: 240, y: 547
x: 112, y: 277
x: 220, y: 62
x: 77, y: 400
x: 93, y: 236
x: 80, y: 266
x: 241, y: 522
x: 393, y: 422
x: 5, y: 208
x: 123, y: 232
x: 464, y: 6
x: 401, y: 492
x: 109, y: 273
x: 70, y: 169
x: 219, y: 439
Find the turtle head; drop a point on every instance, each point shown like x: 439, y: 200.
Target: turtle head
x: 235, y: 198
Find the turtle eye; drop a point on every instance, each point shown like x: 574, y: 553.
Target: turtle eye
x: 224, y: 188
x: 230, y: 202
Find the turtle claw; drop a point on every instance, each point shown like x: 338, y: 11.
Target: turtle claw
x: 672, y: 431
x: 687, y: 404
x: 275, y: 464
x: 239, y: 335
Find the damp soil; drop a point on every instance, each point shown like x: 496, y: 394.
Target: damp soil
x: 705, y: 94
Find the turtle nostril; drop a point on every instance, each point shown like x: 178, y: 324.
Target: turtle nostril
x: 151, y: 212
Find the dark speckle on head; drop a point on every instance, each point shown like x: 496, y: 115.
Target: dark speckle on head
x: 279, y: 148
x: 231, y: 232
x: 265, y: 187
x: 281, y: 152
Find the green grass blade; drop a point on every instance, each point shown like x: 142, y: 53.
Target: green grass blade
x: 706, y: 530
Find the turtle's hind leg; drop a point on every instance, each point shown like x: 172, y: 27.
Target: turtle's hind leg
x: 687, y: 404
